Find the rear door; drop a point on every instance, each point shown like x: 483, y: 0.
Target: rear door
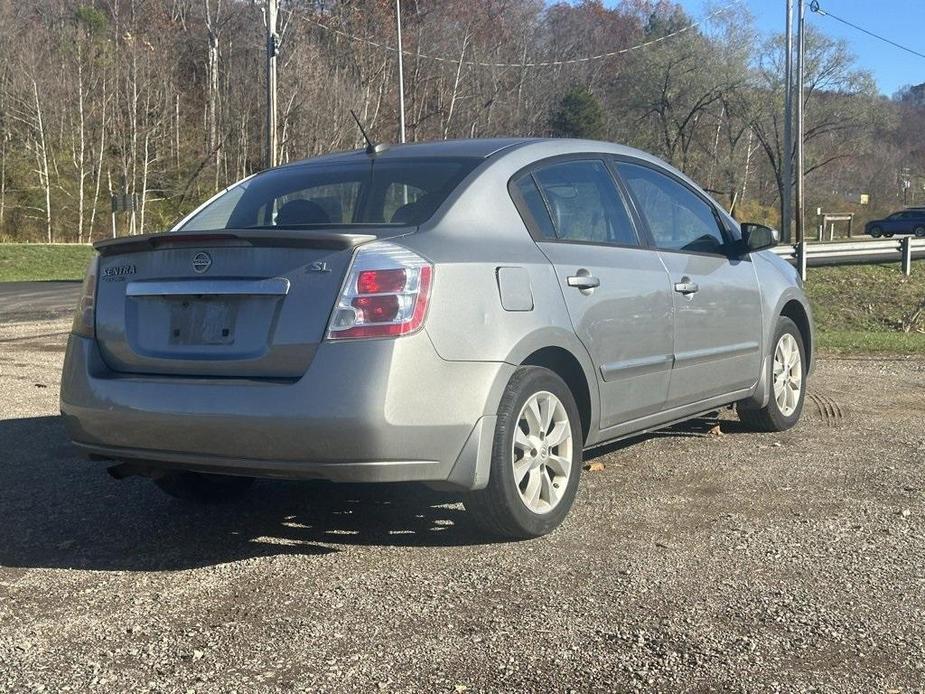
x: 616, y: 289
x: 717, y: 302
x: 894, y: 224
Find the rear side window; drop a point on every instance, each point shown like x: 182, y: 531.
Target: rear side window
x: 678, y: 218
x: 535, y: 206
x: 400, y: 192
x: 584, y: 203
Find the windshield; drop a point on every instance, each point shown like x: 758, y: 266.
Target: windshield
x: 403, y: 192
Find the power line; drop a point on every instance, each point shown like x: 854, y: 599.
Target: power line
x: 547, y: 63
x: 814, y: 6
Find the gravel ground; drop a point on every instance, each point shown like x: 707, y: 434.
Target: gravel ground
x: 698, y: 559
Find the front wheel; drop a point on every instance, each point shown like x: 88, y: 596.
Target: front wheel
x: 919, y: 232
x: 535, y: 460
x: 876, y: 232
x: 787, y: 378
x: 202, y: 488
x: 889, y: 235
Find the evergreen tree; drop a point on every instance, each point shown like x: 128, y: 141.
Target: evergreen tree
x: 580, y: 114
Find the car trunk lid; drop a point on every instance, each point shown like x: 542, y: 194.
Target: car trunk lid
x: 233, y: 304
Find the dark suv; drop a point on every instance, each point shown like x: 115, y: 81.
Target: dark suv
x: 909, y: 221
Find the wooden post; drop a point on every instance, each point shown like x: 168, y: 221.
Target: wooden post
x: 905, y: 247
x: 801, y: 258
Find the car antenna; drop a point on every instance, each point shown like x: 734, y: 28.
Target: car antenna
x: 371, y: 147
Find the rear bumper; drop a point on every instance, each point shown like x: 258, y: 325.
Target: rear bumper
x: 365, y: 411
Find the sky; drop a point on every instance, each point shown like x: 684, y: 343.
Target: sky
x: 902, y: 21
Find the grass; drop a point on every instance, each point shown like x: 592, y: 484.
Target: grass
x: 21, y: 262
x: 861, y: 308
x: 853, y: 342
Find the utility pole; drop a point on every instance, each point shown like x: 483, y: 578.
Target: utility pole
x: 401, y: 76
x: 787, y: 202
x: 272, y: 50
x: 801, y: 43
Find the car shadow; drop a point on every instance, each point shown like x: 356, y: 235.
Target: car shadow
x: 60, y: 510
x: 700, y: 427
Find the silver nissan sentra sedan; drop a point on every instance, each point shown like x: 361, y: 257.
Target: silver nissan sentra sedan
x: 469, y: 314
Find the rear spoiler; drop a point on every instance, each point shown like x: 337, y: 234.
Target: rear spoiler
x: 303, y: 238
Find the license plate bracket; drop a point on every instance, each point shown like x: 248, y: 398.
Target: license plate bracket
x: 202, y: 320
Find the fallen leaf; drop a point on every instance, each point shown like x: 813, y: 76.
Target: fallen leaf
x: 716, y: 431
x: 595, y: 467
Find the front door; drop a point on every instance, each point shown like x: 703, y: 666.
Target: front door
x: 717, y: 303
x: 616, y: 289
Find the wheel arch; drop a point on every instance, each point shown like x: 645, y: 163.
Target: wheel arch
x: 565, y: 365
x: 795, y: 311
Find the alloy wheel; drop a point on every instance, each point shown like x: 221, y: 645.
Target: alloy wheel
x: 542, y: 452
x: 787, y: 374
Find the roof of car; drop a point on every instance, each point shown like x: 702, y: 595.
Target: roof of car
x: 470, y: 148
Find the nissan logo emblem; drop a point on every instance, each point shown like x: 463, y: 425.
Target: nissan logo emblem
x: 202, y: 261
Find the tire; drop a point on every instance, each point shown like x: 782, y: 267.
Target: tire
x: 876, y: 232
x: 888, y: 235
x: 774, y: 417
x: 919, y: 232
x: 503, y: 508
x: 203, y: 488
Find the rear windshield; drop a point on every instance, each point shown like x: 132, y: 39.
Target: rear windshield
x: 397, y: 193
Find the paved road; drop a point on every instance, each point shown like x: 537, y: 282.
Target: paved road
x: 20, y: 301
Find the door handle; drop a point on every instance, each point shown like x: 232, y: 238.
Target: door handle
x: 686, y: 287
x: 584, y: 281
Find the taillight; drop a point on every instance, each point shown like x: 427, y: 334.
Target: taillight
x: 84, y: 319
x: 385, y: 295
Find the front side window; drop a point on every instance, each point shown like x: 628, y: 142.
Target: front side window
x: 584, y: 203
x: 679, y: 219
x: 401, y: 192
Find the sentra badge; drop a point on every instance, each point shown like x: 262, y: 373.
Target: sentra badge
x: 117, y: 271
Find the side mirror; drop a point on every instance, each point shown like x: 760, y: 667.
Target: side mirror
x: 757, y: 237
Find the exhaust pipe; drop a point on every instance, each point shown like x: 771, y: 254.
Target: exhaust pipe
x: 126, y: 469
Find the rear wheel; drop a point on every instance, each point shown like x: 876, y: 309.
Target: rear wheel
x: 787, y: 379
x: 876, y: 232
x: 536, y: 458
x: 203, y: 488
x: 889, y: 235
x: 919, y: 232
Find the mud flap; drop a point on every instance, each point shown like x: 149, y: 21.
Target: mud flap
x: 472, y: 467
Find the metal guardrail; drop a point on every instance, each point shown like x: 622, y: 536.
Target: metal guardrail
x: 903, y: 250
